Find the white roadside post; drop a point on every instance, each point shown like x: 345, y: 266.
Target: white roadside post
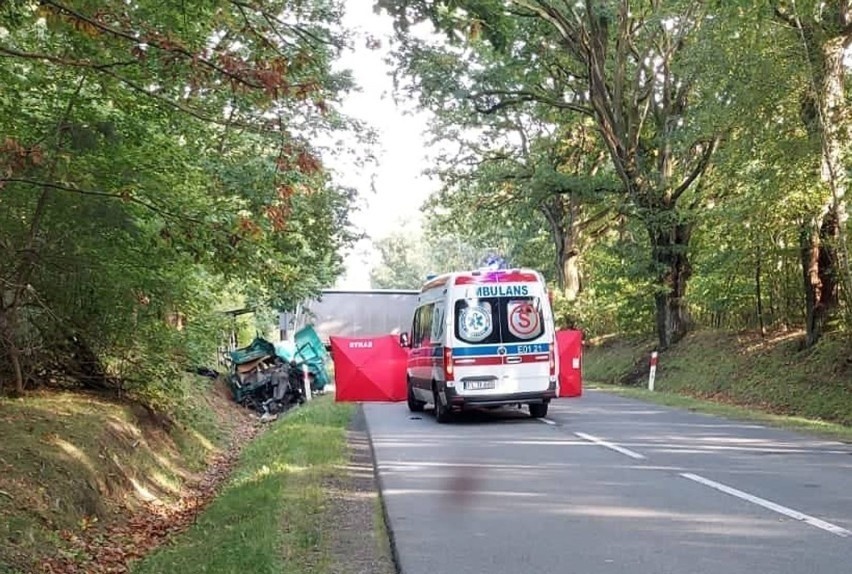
x: 653, y: 374
x: 306, y: 380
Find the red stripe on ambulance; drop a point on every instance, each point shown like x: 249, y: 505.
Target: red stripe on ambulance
x: 497, y: 277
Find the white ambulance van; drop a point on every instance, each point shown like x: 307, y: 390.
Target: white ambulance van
x: 482, y: 339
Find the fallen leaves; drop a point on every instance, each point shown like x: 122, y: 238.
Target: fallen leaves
x: 110, y: 549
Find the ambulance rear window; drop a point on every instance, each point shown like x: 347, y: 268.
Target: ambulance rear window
x: 494, y: 320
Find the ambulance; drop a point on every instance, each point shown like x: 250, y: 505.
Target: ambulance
x: 482, y: 338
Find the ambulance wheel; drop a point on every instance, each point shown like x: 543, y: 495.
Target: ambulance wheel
x: 538, y: 410
x: 414, y: 405
x: 442, y: 412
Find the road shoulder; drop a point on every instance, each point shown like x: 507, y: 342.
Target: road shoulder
x: 354, y: 521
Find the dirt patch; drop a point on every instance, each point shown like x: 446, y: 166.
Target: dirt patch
x: 353, y: 524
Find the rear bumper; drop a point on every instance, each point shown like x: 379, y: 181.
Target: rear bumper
x: 461, y: 401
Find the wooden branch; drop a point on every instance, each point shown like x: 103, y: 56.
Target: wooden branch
x: 183, y: 108
x: 176, y: 50
x: 601, y: 215
x: 520, y: 97
x: 785, y: 18
x: 699, y: 169
x: 106, y: 68
x: 262, y: 37
x: 107, y: 194
x: 521, y: 14
x: 300, y: 31
x: 567, y: 31
x: 12, y: 52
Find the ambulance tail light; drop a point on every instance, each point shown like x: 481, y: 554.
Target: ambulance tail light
x: 448, y: 364
x: 552, y: 361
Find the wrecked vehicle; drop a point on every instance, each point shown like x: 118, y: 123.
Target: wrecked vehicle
x: 261, y: 380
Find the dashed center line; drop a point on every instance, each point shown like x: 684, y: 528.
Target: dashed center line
x: 611, y: 446
x: 762, y: 502
x: 789, y: 512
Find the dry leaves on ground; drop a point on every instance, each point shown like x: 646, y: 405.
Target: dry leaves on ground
x: 111, y: 549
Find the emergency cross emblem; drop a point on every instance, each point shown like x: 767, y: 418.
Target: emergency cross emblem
x: 475, y: 323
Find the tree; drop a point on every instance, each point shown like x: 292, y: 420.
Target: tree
x: 403, y: 265
x: 156, y: 155
x: 553, y: 176
x: 825, y: 33
x: 407, y: 259
x: 621, y: 66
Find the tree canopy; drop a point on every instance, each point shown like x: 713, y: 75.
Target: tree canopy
x: 712, y: 179
x: 157, y: 159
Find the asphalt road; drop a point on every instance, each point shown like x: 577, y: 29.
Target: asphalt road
x: 610, y: 485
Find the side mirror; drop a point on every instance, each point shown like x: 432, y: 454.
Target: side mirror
x: 403, y: 340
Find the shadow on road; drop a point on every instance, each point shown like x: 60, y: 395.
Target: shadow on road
x: 480, y: 416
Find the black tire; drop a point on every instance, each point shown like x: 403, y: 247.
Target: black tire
x: 414, y: 405
x: 442, y: 412
x: 538, y: 410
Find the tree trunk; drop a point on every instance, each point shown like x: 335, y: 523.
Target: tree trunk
x: 821, y: 241
x: 758, y: 292
x: 814, y: 315
x: 571, y: 272
x: 563, y: 231
x: 558, y: 235
x: 819, y: 266
x: 833, y: 258
x: 15, y: 357
x: 669, y: 245
x: 7, y: 332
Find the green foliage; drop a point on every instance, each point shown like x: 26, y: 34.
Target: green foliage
x: 705, y: 113
x: 408, y: 258
x: 153, y: 159
x: 615, y: 297
x: 403, y: 264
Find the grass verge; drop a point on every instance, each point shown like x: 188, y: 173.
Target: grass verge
x: 382, y: 535
x: 825, y: 429
x: 267, y: 519
x: 769, y: 379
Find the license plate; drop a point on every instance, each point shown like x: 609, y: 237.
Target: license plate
x: 478, y: 385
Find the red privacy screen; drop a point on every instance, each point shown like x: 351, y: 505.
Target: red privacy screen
x: 373, y: 368
x: 368, y: 369
x: 570, y: 345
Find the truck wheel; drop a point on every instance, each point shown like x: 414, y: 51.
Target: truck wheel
x: 442, y: 412
x: 538, y: 410
x: 414, y: 405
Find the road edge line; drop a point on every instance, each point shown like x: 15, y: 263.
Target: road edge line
x: 397, y: 563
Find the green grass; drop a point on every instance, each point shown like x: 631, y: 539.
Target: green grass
x: 610, y: 360
x: 268, y: 517
x: 381, y: 530
x: 739, y: 375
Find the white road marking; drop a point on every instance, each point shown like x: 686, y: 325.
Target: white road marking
x: 609, y: 445
x: 794, y: 514
x: 547, y: 421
